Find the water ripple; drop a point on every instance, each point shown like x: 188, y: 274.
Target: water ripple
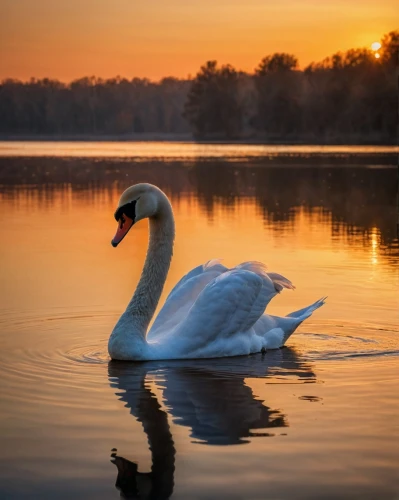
x: 63, y: 349
x: 87, y: 354
x: 342, y: 341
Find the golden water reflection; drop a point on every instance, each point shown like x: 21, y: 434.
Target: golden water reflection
x: 329, y: 234
x: 331, y: 230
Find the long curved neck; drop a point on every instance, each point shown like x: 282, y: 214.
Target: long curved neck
x: 142, y: 306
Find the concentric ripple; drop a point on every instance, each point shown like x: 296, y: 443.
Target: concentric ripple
x: 63, y: 350
x: 45, y: 356
x: 41, y: 346
x: 87, y: 354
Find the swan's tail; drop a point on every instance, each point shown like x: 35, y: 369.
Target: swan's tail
x: 304, y: 313
x: 291, y: 322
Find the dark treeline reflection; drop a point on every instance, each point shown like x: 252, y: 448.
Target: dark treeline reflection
x: 210, y: 398
x: 349, y: 97
x: 357, y: 200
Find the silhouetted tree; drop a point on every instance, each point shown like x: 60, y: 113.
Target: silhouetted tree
x: 277, y: 63
x: 278, y: 89
x: 212, y: 107
x: 390, y: 49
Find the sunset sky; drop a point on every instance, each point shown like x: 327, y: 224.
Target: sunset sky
x: 156, y: 38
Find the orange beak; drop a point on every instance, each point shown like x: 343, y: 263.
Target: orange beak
x: 124, y: 224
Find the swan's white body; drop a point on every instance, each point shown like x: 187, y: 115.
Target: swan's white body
x: 212, y: 312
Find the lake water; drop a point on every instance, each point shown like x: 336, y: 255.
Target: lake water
x: 317, y: 419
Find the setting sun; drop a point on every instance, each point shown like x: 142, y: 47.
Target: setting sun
x: 375, y: 45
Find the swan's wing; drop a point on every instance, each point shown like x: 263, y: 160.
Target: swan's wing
x: 211, y: 265
x: 221, y: 310
x: 272, y: 284
x: 183, y: 296
x: 280, y: 282
x: 187, y: 290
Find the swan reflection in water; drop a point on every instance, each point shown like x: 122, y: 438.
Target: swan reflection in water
x: 209, y: 397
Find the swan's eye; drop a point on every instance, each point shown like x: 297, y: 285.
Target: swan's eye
x: 122, y: 221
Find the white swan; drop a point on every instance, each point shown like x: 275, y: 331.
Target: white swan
x: 211, y: 312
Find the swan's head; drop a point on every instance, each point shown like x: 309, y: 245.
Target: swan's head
x: 137, y: 202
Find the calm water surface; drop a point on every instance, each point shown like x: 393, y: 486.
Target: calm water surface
x: 318, y: 419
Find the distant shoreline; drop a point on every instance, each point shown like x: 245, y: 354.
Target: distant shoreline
x: 189, y: 139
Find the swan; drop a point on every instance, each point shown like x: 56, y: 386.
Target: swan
x: 212, y: 312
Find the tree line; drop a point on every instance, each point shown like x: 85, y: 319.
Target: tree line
x: 348, y: 97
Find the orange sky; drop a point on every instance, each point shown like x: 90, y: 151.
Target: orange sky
x: 155, y: 38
